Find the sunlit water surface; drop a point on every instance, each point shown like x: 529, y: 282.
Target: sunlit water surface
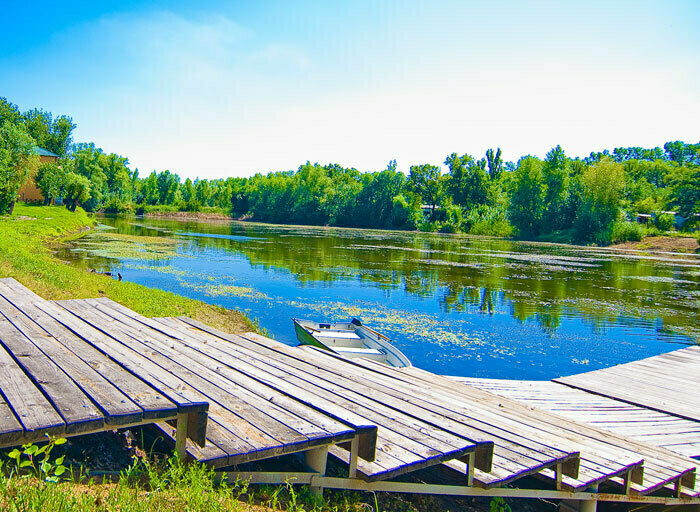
x: 454, y: 305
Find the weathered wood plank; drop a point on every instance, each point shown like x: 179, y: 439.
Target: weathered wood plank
x: 20, y: 395
x: 153, y: 405
x: 76, y: 409
x: 115, y: 405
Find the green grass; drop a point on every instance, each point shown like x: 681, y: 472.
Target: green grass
x: 26, y: 241
x: 148, y: 487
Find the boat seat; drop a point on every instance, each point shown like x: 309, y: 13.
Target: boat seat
x: 352, y: 350
x: 337, y: 334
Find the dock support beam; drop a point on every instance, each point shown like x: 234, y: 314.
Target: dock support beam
x: 316, y: 459
x: 354, y: 451
x: 181, y: 435
x: 590, y: 505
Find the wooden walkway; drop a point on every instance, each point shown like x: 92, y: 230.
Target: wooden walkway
x: 52, y: 382
x: 646, y: 425
x: 666, y: 383
x: 76, y: 366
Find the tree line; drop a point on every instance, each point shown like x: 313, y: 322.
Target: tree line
x: 558, y: 198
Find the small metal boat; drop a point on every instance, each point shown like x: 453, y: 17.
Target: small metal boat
x: 350, y: 339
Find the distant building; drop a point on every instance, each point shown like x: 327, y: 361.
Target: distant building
x: 29, y: 192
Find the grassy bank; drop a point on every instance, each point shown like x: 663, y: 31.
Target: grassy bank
x: 26, y: 241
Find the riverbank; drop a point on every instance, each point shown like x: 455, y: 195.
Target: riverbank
x: 679, y: 244
x: 178, y: 215
x: 27, y: 242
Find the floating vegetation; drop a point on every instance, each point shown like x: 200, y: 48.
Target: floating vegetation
x: 226, y: 290
x: 129, y: 247
x: 162, y: 269
x: 451, y: 263
x: 660, y: 279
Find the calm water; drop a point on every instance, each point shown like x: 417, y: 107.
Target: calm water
x: 454, y: 304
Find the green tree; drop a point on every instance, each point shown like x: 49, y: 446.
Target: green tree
x: 9, y: 112
x: 603, y: 183
x: 685, y: 190
x: 16, y: 149
x: 495, y: 163
x: 49, y: 133
x: 426, y: 181
x: 555, y: 174
x: 467, y: 183
x: 527, y: 202
x: 77, y: 190
x: 50, y: 179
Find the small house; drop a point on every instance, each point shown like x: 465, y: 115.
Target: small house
x: 29, y: 192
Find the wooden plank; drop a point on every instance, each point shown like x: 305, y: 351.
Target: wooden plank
x: 23, y: 402
x: 111, y: 402
x: 267, y: 400
x: 11, y: 431
x: 339, y: 400
x: 153, y: 405
x: 226, y: 406
x: 76, y: 409
x: 208, y: 348
x: 433, y: 380
x: 275, y: 419
x: 652, y: 382
x: 173, y: 388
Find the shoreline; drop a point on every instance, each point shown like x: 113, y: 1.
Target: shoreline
x: 663, y: 244
x: 31, y: 238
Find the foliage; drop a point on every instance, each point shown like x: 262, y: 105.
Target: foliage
x: 76, y: 190
x: 51, y: 180
x: 36, y: 461
x: 559, y: 198
x: 626, y: 232
x: 498, y: 504
x: 527, y: 203
x: 664, y: 221
x: 16, y: 149
x: 489, y: 221
x: 48, y: 132
x: 602, y: 186
x: 685, y: 185
x: 426, y: 181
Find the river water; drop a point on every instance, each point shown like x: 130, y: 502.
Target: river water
x: 455, y: 305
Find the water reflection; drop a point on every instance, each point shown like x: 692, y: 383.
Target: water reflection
x: 454, y: 304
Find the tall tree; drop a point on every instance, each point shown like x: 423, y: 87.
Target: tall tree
x: 16, y: 150
x: 426, y: 181
x: 51, y: 180
x: 495, y: 163
x: 527, y: 199
x: 467, y: 182
x: 49, y: 133
x: 555, y: 174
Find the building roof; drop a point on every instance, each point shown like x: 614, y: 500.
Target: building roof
x: 44, y: 152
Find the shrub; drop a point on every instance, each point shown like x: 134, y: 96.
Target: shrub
x: 664, y: 221
x: 626, y: 232
x: 454, y: 220
x: 488, y: 220
x: 116, y: 205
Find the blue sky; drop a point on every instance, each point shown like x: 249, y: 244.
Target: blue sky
x: 215, y: 89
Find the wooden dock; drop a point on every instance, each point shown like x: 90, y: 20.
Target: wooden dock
x: 639, y: 423
x: 93, y: 364
x: 54, y: 383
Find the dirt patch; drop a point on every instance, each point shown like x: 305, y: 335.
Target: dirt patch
x: 663, y: 244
